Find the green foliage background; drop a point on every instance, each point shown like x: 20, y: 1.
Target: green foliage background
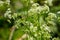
x: 37, y: 18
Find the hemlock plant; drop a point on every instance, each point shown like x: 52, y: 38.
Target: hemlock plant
x: 32, y: 19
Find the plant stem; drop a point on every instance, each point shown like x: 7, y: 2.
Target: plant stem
x: 11, y: 34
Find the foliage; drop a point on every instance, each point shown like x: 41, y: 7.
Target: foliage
x: 36, y: 20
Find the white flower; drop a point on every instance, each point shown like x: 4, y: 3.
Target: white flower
x: 46, y: 2
x: 58, y: 12
x: 35, y: 5
x: 31, y: 26
x: 9, y: 16
x: 52, y: 15
x: 1, y: 2
x: 9, y: 9
x: 35, y: 34
x: 31, y: 1
x: 34, y: 29
x: 47, y: 28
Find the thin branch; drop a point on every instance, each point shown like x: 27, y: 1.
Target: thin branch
x: 12, y: 31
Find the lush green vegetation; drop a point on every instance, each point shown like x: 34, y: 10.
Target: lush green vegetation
x: 29, y: 20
